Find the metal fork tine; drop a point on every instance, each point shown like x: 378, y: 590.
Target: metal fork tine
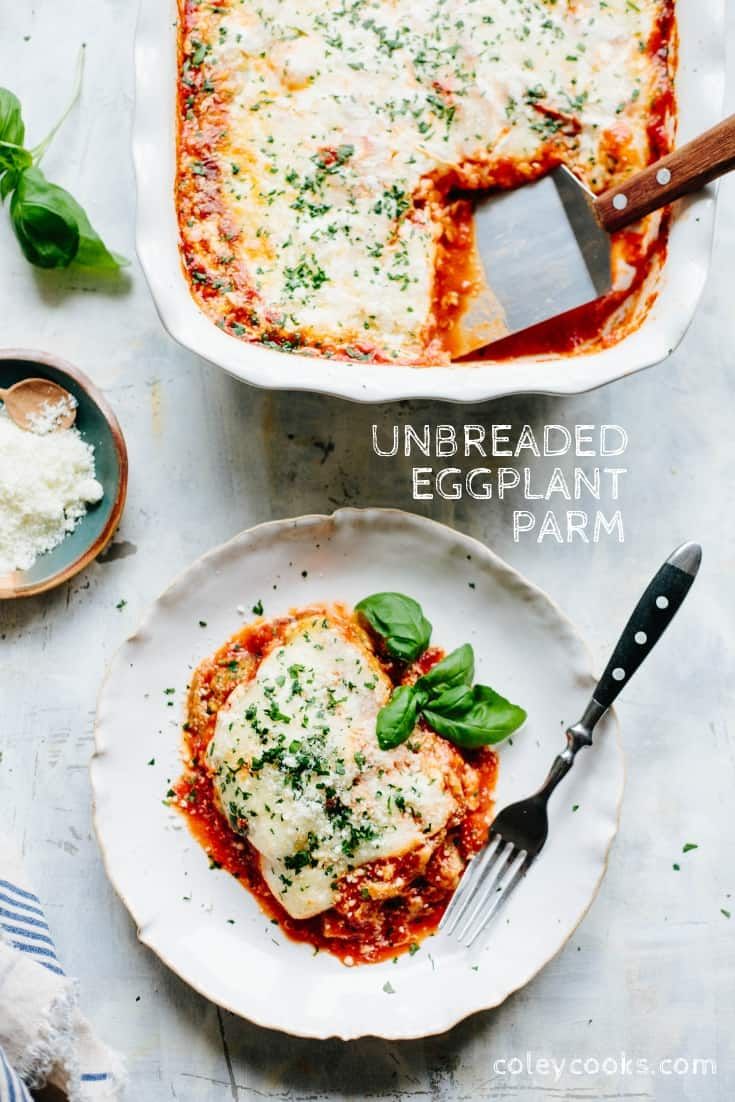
x: 486, y: 886
x: 511, y: 876
x: 462, y: 896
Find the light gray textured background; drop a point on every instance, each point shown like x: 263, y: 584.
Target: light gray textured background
x: 651, y: 971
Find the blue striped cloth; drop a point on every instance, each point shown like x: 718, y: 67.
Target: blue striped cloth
x: 25, y: 926
x: 12, y: 1088
x: 31, y: 982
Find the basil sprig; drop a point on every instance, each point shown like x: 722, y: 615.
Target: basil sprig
x: 454, y: 671
x: 400, y: 623
x: 481, y: 717
x: 468, y: 715
x: 398, y: 718
x: 51, y: 227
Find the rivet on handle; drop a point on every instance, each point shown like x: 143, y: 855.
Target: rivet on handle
x: 663, y: 177
x: 620, y: 202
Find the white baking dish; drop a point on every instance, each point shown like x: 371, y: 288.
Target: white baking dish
x: 700, y: 88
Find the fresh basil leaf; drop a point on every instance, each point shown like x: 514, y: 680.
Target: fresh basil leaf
x: 8, y: 181
x: 53, y: 229
x: 12, y: 128
x: 399, y: 621
x: 490, y: 719
x: 453, y: 703
x: 14, y: 158
x: 7, y: 184
x: 398, y: 718
x: 458, y: 668
x: 92, y: 252
x: 44, y: 220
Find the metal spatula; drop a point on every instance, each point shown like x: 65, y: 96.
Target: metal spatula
x: 545, y: 247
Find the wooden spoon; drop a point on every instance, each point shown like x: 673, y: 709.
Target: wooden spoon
x: 38, y: 405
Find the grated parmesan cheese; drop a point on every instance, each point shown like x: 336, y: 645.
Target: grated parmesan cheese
x: 46, y: 482
x: 49, y: 416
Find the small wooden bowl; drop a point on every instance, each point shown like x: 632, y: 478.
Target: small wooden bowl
x: 99, y: 427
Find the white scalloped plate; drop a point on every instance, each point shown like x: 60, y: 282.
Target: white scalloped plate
x: 524, y: 646
x: 700, y: 89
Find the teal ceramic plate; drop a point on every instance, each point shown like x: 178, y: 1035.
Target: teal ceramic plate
x: 99, y: 427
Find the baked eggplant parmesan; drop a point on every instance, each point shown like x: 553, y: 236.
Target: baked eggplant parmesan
x: 328, y: 151
x: 344, y: 780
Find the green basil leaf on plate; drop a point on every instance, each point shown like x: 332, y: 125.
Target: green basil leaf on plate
x: 458, y: 668
x: 452, y: 703
x: 399, y: 621
x: 44, y: 220
x: 397, y: 719
x: 489, y: 719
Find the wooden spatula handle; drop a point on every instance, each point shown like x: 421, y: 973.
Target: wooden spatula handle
x: 687, y: 169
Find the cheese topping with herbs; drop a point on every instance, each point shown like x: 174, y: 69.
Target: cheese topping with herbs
x: 314, y: 136
x: 297, y: 767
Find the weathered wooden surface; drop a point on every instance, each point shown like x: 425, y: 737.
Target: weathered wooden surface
x: 651, y: 971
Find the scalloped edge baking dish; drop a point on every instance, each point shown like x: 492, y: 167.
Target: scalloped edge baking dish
x: 700, y: 89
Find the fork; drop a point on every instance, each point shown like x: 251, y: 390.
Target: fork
x: 519, y: 831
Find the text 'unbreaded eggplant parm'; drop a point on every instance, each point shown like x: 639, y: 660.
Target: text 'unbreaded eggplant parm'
x: 322, y: 145
x: 341, y: 768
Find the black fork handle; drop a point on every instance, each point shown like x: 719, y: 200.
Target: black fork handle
x: 654, y: 612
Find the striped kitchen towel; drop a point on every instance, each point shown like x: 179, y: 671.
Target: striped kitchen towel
x: 43, y: 1036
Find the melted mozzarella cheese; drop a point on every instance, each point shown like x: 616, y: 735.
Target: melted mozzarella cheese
x: 338, y: 113
x: 297, y: 766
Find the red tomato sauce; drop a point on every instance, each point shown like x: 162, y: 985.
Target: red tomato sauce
x: 357, y: 930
